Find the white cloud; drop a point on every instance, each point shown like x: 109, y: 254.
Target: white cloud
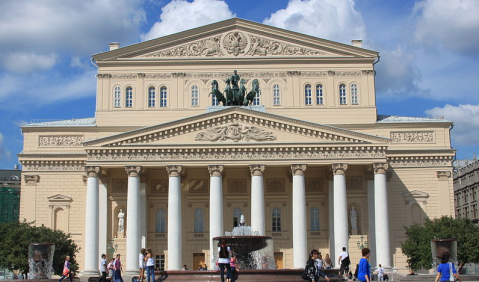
x: 335, y: 20
x: 4, y: 153
x: 180, y: 15
x: 28, y: 62
x: 466, y: 120
x: 454, y: 24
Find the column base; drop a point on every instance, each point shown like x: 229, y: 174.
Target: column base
x: 90, y: 273
x: 131, y: 273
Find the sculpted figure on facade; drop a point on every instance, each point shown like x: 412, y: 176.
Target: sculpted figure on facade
x: 121, y: 221
x: 235, y: 132
x: 353, y: 217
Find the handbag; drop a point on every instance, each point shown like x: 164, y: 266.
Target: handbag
x: 66, y: 271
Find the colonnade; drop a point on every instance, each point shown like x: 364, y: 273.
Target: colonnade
x: 339, y: 235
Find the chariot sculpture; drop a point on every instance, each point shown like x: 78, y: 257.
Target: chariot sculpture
x: 234, y: 94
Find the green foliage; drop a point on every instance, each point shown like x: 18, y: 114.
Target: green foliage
x: 14, y: 240
x: 418, y: 243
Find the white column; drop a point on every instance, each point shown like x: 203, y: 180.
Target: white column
x: 143, y: 213
x: 175, y: 250
x: 332, y: 251
x: 371, y: 222
x: 216, y: 208
x: 341, y: 236
x: 257, y: 199
x: 133, y: 220
x: 383, y: 246
x: 91, y: 222
x: 103, y: 216
x: 300, y: 238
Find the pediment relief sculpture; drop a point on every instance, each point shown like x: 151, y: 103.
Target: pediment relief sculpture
x: 236, y: 43
x: 235, y: 132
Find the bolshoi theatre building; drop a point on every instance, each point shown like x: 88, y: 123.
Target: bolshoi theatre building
x: 193, y: 130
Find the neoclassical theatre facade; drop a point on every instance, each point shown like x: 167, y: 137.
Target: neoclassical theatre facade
x: 164, y: 164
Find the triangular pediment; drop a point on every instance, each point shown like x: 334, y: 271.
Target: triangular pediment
x: 416, y: 194
x: 236, y: 126
x: 235, y: 38
x: 59, y: 198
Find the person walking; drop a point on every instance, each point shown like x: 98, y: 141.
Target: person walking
x: 150, y: 265
x: 103, y: 268
x: 142, y: 264
x: 67, y: 270
x: 231, y: 276
x: 364, y: 272
x: 313, y: 273
x: 446, y: 269
x: 344, y: 262
x: 380, y: 273
x: 224, y: 253
x: 117, y: 269
x: 111, y: 270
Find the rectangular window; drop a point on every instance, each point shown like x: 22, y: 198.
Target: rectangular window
x: 160, y: 262
x: 319, y: 94
x: 194, y: 96
x: 151, y: 97
x: 307, y: 94
x: 276, y: 95
x: 256, y: 101
x: 117, y: 97
x: 129, y: 97
x: 276, y: 220
x: 354, y: 94
x: 342, y: 94
x: 163, y: 97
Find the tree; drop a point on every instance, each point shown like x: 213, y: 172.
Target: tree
x: 418, y: 243
x: 16, y: 236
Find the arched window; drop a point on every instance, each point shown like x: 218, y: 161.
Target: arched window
x: 129, y: 97
x: 342, y: 94
x: 314, y: 219
x: 319, y: 94
x: 214, y: 100
x: 160, y: 221
x: 354, y: 94
x: 151, y: 97
x: 307, y: 94
x: 117, y: 97
x: 163, y: 97
x: 237, y: 212
x: 194, y: 96
x: 199, y: 221
x: 276, y: 220
x: 256, y: 101
x: 276, y: 95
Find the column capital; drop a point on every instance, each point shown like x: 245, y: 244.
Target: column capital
x: 133, y: 170
x: 174, y: 170
x: 298, y: 169
x: 92, y: 171
x: 31, y: 180
x: 256, y: 169
x: 215, y: 170
x: 443, y: 174
x: 339, y: 168
x: 380, y: 168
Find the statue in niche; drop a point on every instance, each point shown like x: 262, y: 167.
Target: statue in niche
x: 121, y: 221
x: 353, y: 216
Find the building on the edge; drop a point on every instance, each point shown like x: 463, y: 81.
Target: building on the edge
x: 10, y: 184
x: 466, y: 189
x: 183, y: 170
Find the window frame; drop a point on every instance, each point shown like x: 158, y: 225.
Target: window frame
x: 117, y: 96
x: 276, y: 220
x: 152, y: 100
x: 342, y: 94
x: 195, y: 96
x: 199, y: 221
x: 354, y: 93
x: 129, y: 97
x: 163, y: 97
x: 308, y: 95
x: 237, y: 217
x: 276, y: 95
x: 319, y: 94
x: 162, y: 222
x: 314, y: 217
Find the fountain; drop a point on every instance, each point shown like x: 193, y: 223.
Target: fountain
x: 40, y: 260
x: 252, y: 250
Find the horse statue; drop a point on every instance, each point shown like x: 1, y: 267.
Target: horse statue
x: 242, y: 91
x: 217, y: 93
x: 228, y: 93
x: 249, y: 98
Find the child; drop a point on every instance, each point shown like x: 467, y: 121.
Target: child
x: 230, y: 276
x: 110, y: 269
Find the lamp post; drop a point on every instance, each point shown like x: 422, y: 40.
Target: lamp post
x: 362, y: 244
x: 112, y: 248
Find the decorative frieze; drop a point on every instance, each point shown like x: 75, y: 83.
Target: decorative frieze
x: 31, y: 180
x: 133, y: 171
x: 198, y: 186
x: 413, y: 137
x: 443, y: 174
x: 339, y: 168
x: 174, y: 170
x: 235, y: 132
x: 92, y: 171
x: 314, y: 185
x: 159, y: 187
x: 262, y: 46
x: 367, y: 72
x: 103, y: 76
x: 53, y: 165
x: 354, y: 183
x: 119, y: 185
x: 426, y: 161
x: 298, y: 169
x: 215, y: 170
x: 124, y: 76
x: 158, y: 75
x: 60, y: 141
x: 256, y: 169
x: 275, y: 185
x: 380, y: 168
x: 237, y: 186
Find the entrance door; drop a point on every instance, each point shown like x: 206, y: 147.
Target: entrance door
x: 198, y: 259
x: 278, y: 259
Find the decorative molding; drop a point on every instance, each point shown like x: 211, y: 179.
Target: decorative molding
x: 215, y: 170
x: 53, y: 165
x: 133, y: 170
x: 124, y: 75
x: 354, y: 183
x: 60, y: 141
x: 256, y: 169
x: 199, y: 186
x: 103, y: 76
x: 92, y: 171
x: 413, y: 137
x: 368, y: 72
x: 84, y: 178
x: 159, y: 187
x: 31, y: 180
x: 236, y: 132
x: 441, y: 174
x: 422, y: 161
x: 298, y: 169
x: 380, y: 168
x: 158, y: 75
x: 275, y: 185
x: 219, y: 154
x: 235, y: 42
x: 237, y: 186
x: 206, y: 47
x: 314, y: 185
x: 339, y: 169
x: 174, y: 170
x: 119, y: 185
x: 262, y: 46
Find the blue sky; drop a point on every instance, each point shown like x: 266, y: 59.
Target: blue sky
x: 429, y: 52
